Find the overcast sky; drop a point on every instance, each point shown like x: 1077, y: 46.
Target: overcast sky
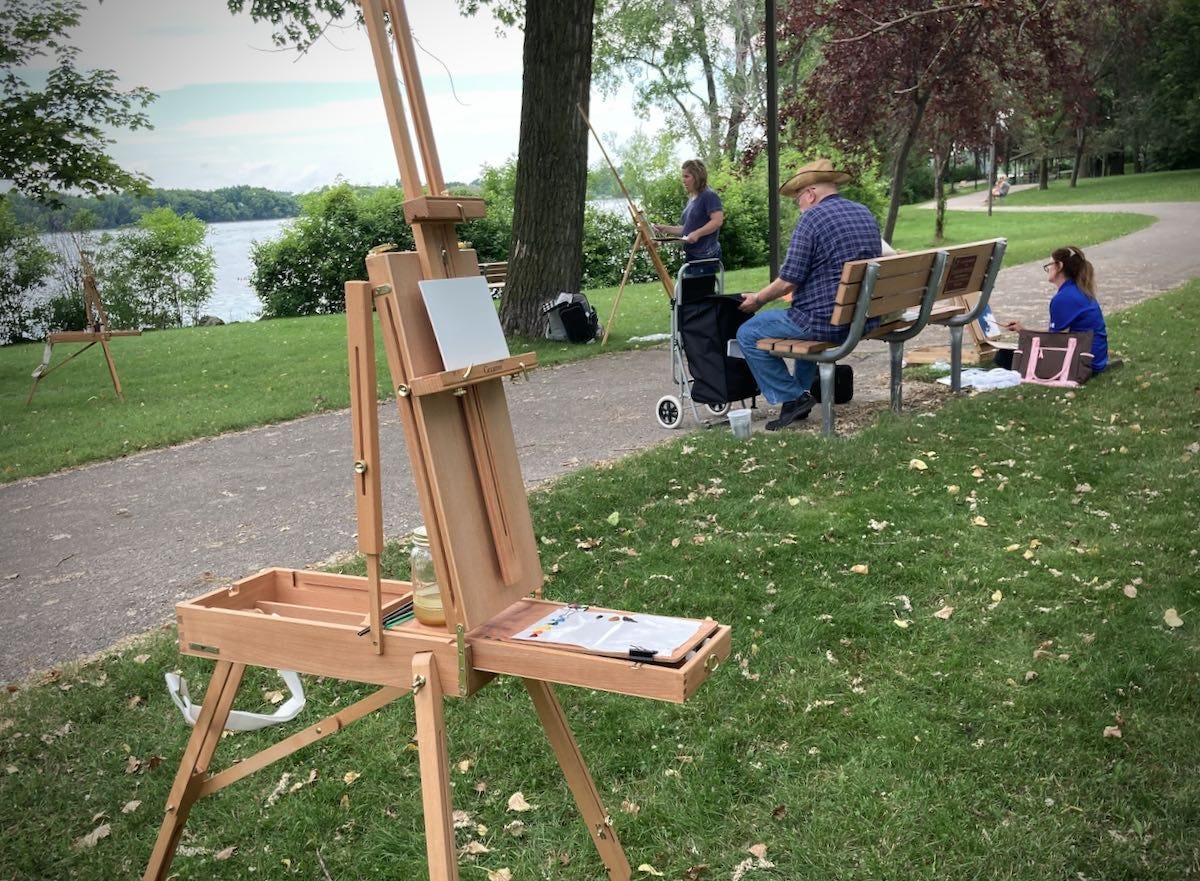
x: 232, y: 109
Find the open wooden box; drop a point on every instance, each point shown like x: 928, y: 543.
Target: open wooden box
x: 306, y: 621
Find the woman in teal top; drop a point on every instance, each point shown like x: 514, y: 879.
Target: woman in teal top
x: 1074, y: 307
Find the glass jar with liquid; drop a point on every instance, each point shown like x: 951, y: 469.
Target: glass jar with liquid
x: 427, y: 597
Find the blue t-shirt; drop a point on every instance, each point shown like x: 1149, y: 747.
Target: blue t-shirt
x: 697, y: 212
x: 1071, y: 310
x: 827, y: 235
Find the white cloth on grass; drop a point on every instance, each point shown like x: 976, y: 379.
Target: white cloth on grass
x: 997, y: 377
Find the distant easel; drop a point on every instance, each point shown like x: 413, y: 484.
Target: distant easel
x: 643, y: 238
x: 96, y: 331
x: 979, y: 346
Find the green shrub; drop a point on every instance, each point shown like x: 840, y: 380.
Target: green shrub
x: 24, y: 265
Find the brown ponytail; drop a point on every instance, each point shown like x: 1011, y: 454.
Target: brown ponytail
x: 1077, y: 268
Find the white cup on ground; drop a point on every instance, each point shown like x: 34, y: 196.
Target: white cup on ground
x: 739, y: 423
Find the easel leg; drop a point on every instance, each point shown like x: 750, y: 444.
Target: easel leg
x: 599, y: 826
x: 112, y: 368
x: 435, y: 770
x: 617, y: 300
x: 193, y: 768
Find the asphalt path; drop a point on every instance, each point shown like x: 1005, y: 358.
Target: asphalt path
x: 93, y: 555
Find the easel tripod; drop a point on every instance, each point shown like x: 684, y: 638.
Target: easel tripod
x: 473, y: 501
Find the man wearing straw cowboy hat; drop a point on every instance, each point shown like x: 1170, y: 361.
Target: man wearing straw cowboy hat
x: 831, y: 230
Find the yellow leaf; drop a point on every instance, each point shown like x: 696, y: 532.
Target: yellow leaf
x: 997, y: 596
x: 952, y: 489
x: 979, y: 521
x: 350, y: 776
x: 1172, y: 619
x: 649, y: 870
x: 902, y: 623
x: 500, y: 875
x: 1013, y: 547
x: 944, y: 612
x: 226, y: 853
x: 1112, y: 731
x: 758, y: 850
x: 977, y: 471
x: 614, y: 518
x: 860, y: 569
x: 917, y: 465
x: 793, y: 501
x: 464, y: 766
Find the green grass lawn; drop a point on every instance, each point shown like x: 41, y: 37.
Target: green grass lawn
x: 1160, y: 186
x: 198, y: 382
x: 967, y: 670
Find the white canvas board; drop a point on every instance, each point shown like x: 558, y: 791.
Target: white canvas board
x: 604, y: 630
x: 464, y: 321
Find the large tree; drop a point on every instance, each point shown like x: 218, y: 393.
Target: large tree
x: 696, y: 60
x: 552, y: 158
x: 52, y: 138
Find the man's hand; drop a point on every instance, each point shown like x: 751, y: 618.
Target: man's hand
x: 750, y: 303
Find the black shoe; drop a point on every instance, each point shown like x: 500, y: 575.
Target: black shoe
x: 792, y: 411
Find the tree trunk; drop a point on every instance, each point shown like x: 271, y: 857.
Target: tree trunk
x: 1044, y: 173
x: 901, y: 162
x: 1080, y: 141
x: 941, y: 165
x: 551, y: 186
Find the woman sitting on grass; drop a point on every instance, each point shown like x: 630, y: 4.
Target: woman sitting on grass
x: 1073, y: 308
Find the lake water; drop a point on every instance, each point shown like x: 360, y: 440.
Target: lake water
x: 233, y: 298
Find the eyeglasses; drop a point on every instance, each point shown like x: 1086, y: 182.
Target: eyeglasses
x: 1046, y: 266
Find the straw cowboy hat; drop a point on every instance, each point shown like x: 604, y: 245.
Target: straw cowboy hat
x: 821, y: 171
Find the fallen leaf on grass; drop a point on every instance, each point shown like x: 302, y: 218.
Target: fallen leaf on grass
x: 516, y: 802
x: 879, y: 525
x: 860, y: 569
x: 1172, y: 619
x: 89, y: 840
x: 614, y: 518
x: 944, y: 612
x: 500, y: 875
x: 130, y: 806
x: 630, y: 807
x: 1112, y: 731
x: 978, y: 521
x: 759, y: 850
x: 902, y: 623
x: 1129, y: 590
x: 350, y: 776
x: 141, y: 659
x: 225, y: 853
x: 516, y: 828
x: 917, y: 465
x: 649, y: 870
x: 473, y: 848
x: 462, y: 820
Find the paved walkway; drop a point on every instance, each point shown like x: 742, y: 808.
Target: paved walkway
x: 92, y: 555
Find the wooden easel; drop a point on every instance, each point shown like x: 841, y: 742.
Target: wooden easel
x: 978, y: 349
x: 96, y: 332
x: 473, y: 501
x: 643, y: 238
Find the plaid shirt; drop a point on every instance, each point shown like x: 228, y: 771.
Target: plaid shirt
x: 827, y: 235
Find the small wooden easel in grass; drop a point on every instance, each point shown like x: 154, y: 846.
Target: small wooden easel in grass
x: 473, y: 500
x: 96, y: 332
x: 644, y: 237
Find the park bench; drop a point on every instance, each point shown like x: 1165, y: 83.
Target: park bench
x: 496, y: 275
x: 96, y: 331
x: 943, y: 286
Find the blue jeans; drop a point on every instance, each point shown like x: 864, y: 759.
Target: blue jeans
x: 774, y: 380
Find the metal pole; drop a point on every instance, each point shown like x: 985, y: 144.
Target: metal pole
x: 991, y: 167
x: 772, y: 141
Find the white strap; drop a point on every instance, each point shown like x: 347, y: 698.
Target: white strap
x: 239, y: 720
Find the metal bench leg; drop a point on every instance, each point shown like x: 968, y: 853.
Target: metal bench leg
x: 896, y: 356
x: 826, y: 371
x: 956, y: 337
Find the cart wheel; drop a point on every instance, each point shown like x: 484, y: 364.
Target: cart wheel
x: 717, y: 409
x: 668, y: 411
